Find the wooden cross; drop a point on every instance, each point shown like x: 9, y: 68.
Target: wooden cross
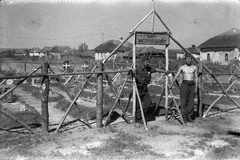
x: 65, y: 66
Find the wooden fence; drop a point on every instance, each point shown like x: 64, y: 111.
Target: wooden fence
x: 46, y: 73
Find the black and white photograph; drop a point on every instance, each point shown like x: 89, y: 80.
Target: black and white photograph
x: 120, y: 79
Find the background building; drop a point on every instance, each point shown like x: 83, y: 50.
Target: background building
x: 222, y: 48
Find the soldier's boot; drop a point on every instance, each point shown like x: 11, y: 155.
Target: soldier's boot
x: 189, y: 119
x: 185, y: 119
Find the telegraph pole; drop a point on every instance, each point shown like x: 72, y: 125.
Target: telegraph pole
x: 102, y: 37
x: 153, y: 16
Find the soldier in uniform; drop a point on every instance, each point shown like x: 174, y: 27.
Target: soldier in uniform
x: 188, y: 88
x: 143, y: 78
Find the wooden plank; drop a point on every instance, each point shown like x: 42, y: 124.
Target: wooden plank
x: 141, y: 107
x: 44, y: 100
x: 200, y: 104
x: 134, y: 81
x: 166, y: 82
x: 5, y: 112
x: 99, y: 102
x: 17, y: 84
x: 116, y: 101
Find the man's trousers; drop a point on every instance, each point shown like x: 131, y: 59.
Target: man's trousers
x: 146, y: 103
x: 187, y: 98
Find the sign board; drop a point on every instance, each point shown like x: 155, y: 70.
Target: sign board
x: 149, y: 38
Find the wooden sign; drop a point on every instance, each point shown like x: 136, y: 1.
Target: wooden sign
x: 148, y: 38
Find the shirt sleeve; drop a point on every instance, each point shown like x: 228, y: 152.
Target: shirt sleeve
x: 153, y: 70
x: 139, y: 78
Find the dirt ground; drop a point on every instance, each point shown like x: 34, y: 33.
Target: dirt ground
x: 214, y: 137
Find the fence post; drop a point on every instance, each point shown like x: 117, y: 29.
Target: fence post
x: 25, y: 63
x: 44, y: 101
x: 0, y: 66
x: 99, y: 102
x: 232, y: 74
x: 200, y: 104
x: 166, y: 82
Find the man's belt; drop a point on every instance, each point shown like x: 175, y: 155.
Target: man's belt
x: 190, y: 83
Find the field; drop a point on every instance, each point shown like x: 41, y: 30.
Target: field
x: 213, y: 137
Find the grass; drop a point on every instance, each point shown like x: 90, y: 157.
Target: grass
x: 88, y: 113
x: 10, y: 140
x: 208, y: 99
x: 56, y: 155
x: 36, y: 92
x: 76, y: 111
x: 17, y: 144
x: 123, y: 146
x: 84, y: 112
x: 10, y: 98
x: 225, y: 152
x: 30, y: 116
x: 230, y: 151
x: 207, y: 135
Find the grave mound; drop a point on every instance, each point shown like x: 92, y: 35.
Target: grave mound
x: 22, y: 112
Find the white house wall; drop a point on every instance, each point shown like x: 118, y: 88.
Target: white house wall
x: 36, y: 54
x: 181, y: 56
x: 103, y: 56
x: 219, y: 56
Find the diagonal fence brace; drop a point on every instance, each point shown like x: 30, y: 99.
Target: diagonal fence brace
x: 116, y: 101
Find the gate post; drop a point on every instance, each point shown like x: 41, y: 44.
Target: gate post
x: 0, y: 66
x: 200, y: 90
x: 232, y: 68
x: 99, y: 102
x: 44, y: 101
x: 25, y: 63
x: 166, y: 82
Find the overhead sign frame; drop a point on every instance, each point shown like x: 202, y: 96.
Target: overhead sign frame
x: 152, y: 38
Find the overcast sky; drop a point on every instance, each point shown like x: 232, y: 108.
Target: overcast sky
x: 39, y: 23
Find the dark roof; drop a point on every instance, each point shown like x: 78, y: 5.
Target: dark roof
x: 149, y: 50
x: 20, y: 51
x: 87, y: 53
x: 194, y: 50
x: 140, y: 51
x: 130, y: 52
x: 225, y: 42
x: 46, y: 49
x: 171, y: 52
x: 66, y: 62
x: 35, y: 49
x: 175, y: 51
x: 112, y: 44
x: 7, y: 49
x: 60, y: 49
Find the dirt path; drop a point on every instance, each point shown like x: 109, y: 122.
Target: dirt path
x: 205, y: 139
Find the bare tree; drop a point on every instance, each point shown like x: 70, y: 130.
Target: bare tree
x: 82, y: 47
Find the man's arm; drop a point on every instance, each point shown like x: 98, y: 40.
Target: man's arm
x: 196, y: 79
x: 162, y: 71
x: 175, y: 77
x: 136, y: 73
